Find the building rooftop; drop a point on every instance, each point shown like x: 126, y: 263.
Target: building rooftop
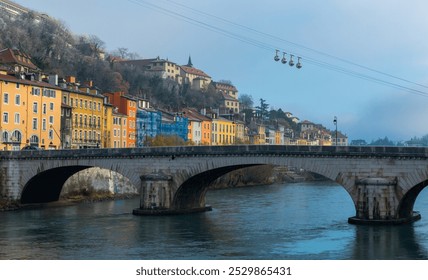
x: 13, y: 56
x: 194, y: 71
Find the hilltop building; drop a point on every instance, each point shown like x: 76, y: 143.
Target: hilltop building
x: 14, y: 10
x: 195, y: 78
x: 229, y: 94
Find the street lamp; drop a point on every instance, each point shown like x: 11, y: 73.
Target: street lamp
x: 335, y: 123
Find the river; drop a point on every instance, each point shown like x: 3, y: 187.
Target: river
x: 285, y: 221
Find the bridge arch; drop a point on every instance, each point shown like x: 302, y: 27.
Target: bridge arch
x: 51, y: 184
x: 191, y: 193
x: 46, y: 186
x: 405, y: 207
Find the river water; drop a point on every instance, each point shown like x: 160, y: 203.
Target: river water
x: 285, y: 221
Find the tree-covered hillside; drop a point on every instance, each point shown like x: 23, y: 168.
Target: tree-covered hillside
x: 56, y: 50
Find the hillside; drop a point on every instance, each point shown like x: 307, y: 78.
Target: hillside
x: 56, y: 49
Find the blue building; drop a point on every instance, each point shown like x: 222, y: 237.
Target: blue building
x: 174, y: 124
x: 148, y: 125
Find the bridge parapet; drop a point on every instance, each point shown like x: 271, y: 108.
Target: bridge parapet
x: 277, y: 150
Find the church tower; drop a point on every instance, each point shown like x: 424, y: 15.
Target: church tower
x: 189, y: 63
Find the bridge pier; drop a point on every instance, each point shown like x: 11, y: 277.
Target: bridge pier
x: 156, y: 197
x: 377, y: 202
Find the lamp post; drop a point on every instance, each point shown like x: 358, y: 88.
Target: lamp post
x: 335, y: 123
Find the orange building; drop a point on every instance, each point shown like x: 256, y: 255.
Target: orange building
x: 126, y: 105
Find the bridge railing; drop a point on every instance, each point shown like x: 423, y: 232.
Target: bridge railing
x: 277, y: 150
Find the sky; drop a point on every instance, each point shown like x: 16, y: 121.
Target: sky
x: 364, y: 62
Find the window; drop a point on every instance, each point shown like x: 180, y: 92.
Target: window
x: 5, y: 136
x: 6, y: 98
x: 51, y: 106
x: 17, y: 85
x: 17, y: 118
x: 35, y: 123
x: 5, y: 117
x: 44, y: 124
x: 49, y: 92
x: 35, y: 106
x: 44, y: 109
x: 51, y: 134
x: 17, y: 99
x: 34, y: 140
x: 35, y: 91
x: 16, y: 136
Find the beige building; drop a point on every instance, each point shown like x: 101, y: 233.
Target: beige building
x: 196, y: 78
x: 157, y: 67
x: 230, y: 97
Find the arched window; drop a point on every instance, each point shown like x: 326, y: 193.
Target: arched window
x: 16, y: 136
x: 34, y: 140
x: 5, y: 136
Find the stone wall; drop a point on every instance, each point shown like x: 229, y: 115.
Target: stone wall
x: 97, y: 181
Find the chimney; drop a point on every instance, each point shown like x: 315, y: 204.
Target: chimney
x: 53, y: 79
x: 89, y: 84
x: 70, y: 79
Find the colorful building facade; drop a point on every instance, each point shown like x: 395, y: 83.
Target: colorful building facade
x: 30, y: 113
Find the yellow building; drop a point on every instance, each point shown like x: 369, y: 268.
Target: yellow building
x: 87, y: 113
x: 107, y: 141
x: 278, y: 137
x: 223, y: 131
x: 30, y: 113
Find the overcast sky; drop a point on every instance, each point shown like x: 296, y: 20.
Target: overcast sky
x: 363, y: 61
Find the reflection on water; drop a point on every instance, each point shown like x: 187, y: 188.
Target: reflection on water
x: 294, y: 221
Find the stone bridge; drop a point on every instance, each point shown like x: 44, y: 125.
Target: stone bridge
x: 383, y: 182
